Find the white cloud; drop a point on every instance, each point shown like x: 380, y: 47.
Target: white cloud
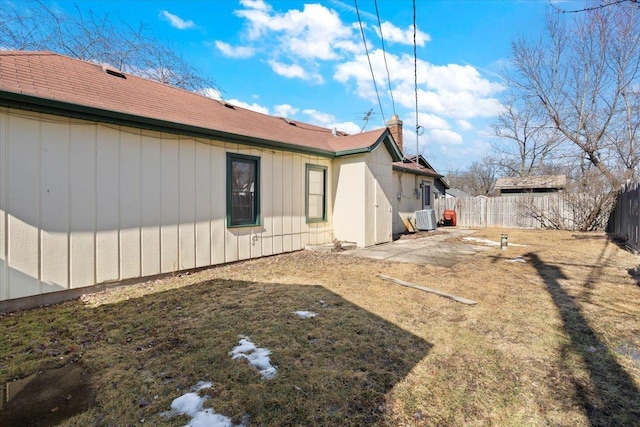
x: 459, y: 78
x: 176, y: 21
x: 294, y: 71
x: 454, y: 91
x: 393, y: 34
x: 329, y: 121
x: 235, y: 52
x: 464, y: 125
x: 253, y: 107
x: 285, y: 110
x: 255, y: 4
x: 445, y: 136
x: 431, y: 121
x: 211, y: 93
x: 347, y: 127
x: 320, y: 118
x: 315, y: 32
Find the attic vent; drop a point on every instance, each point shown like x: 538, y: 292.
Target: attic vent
x: 113, y: 72
x: 289, y: 122
x: 226, y: 104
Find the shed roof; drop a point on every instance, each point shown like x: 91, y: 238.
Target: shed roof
x: 50, y: 82
x: 530, y: 182
x: 455, y: 192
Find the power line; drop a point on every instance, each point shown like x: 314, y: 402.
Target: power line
x: 384, y: 55
x: 415, y: 76
x: 364, y: 40
x: 590, y: 9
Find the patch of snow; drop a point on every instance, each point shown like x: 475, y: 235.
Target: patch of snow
x: 208, y: 418
x: 489, y: 242
x: 245, y: 346
x: 191, y: 404
x: 483, y: 241
x: 517, y: 259
x: 202, y: 385
x: 305, y: 314
x: 188, y: 404
x: 257, y: 357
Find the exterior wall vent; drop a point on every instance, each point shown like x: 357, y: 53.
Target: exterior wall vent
x: 113, y: 72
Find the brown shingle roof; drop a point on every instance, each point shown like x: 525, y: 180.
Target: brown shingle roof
x: 53, y: 77
x: 409, y: 165
x: 412, y: 167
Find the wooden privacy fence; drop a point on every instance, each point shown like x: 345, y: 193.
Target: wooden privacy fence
x: 625, y: 218
x: 524, y: 211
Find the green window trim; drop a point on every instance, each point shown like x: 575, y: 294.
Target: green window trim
x: 243, y: 190
x: 315, y: 205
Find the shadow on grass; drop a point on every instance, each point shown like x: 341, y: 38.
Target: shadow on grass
x: 610, y: 396
x: 333, y: 369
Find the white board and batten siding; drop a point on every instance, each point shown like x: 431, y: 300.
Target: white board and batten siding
x: 379, y: 187
x: 83, y: 203
x: 363, y: 189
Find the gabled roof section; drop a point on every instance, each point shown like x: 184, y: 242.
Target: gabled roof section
x: 362, y: 143
x: 53, y: 83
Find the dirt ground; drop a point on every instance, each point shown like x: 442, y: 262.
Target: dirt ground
x: 554, y: 339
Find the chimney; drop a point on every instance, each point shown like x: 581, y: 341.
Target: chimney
x: 395, y: 127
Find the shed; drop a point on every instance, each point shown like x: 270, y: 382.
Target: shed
x: 531, y: 184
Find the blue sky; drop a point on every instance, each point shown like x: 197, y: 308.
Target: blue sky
x: 306, y: 60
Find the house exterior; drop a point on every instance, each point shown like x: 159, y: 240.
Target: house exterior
x: 531, y: 185
x: 418, y: 185
x: 105, y: 176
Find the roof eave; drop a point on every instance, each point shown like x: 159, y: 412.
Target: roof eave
x: 385, y: 138
x: 416, y: 172
x: 66, y: 109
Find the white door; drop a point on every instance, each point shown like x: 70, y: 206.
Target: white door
x: 383, y: 219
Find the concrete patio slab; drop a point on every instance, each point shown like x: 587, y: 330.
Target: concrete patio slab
x: 436, y: 249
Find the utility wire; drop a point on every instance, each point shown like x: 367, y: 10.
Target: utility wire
x: 415, y: 76
x: 384, y: 55
x: 369, y: 59
x: 590, y: 9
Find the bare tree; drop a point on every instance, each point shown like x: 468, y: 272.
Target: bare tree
x: 478, y: 179
x: 32, y: 25
x: 527, y: 144
x: 583, y: 74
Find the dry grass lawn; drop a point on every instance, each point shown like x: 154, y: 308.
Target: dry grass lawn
x: 553, y: 340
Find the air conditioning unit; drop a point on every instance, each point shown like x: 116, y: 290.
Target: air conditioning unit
x: 425, y: 219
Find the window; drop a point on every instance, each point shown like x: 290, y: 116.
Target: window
x: 316, y: 183
x: 426, y: 195
x: 243, y: 190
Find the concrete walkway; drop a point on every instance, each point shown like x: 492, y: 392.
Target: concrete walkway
x: 434, y: 249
